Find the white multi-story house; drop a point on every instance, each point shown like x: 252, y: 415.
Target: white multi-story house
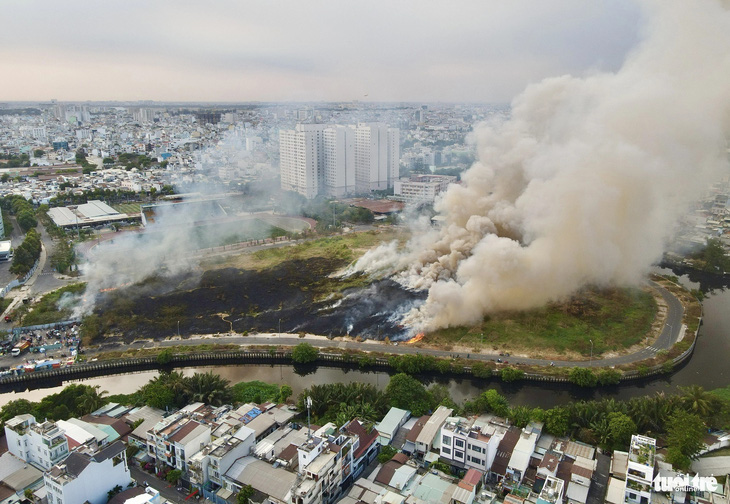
x: 431, y: 431
x: 325, y: 462
x: 552, y: 491
x: 364, y: 448
x: 640, y: 470
x: 523, y: 450
x: 176, y: 439
x: 208, y: 465
x: 41, y: 444
x: 87, y: 476
x: 470, y: 443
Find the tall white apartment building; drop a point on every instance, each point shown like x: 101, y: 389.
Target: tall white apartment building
x: 338, y: 160
x: 377, y: 156
x: 301, y: 159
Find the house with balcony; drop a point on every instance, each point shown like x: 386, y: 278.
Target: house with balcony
x: 365, y: 447
x: 326, y: 462
x: 41, y: 444
x: 88, y: 476
x: 640, y: 470
x: 207, y: 467
x: 470, y: 443
x: 430, y: 435
x: 175, y: 439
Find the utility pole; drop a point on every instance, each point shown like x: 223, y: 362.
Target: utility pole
x: 591, y: 361
x: 178, y: 328
x: 309, y: 423
x: 280, y: 328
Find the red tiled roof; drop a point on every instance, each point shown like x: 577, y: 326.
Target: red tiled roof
x: 471, y: 479
x: 366, y: 439
x: 550, y: 462
x: 289, y: 453
x: 417, y: 428
x: 183, y: 431
x: 401, y: 458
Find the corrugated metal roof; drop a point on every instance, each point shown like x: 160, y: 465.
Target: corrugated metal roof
x: 263, y: 477
x: 429, y: 431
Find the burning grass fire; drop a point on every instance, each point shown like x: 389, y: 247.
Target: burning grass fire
x: 418, y: 337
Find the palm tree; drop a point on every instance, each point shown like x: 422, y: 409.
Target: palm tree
x: 208, y: 388
x: 601, y: 430
x: 91, y: 400
x: 639, y: 409
x: 696, y: 400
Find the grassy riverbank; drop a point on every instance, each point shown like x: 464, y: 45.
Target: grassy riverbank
x: 613, y: 319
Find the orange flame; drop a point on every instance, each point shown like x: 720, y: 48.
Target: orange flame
x: 110, y: 289
x: 418, y: 337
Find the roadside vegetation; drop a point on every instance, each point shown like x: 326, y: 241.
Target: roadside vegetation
x: 26, y: 254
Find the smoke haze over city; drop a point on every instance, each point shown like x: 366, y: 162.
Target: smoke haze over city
x: 583, y: 184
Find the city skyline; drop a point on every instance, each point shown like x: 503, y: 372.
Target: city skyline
x: 318, y: 51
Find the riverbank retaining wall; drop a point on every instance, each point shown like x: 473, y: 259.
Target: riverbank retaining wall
x: 277, y: 357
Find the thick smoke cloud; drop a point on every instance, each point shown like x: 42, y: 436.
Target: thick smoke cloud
x: 584, y: 182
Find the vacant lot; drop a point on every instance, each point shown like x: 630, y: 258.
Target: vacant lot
x: 613, y: 319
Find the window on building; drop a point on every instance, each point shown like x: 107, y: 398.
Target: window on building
x: 447, y: 440
x: 459, y: 454
x: 445, y: 451
x: 459, y: 443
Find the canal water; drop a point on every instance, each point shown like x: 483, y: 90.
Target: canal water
x: 708, y: 368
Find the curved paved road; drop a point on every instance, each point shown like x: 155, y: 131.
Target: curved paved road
x: 667, y: 338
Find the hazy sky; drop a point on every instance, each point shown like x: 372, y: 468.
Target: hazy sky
x: 269, y: 50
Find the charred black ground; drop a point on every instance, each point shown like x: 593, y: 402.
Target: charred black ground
x: 302, y: 293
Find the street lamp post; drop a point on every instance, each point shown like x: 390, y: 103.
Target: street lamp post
x: 178, y: 328
x: 280, y: 328
x: 591, y: 361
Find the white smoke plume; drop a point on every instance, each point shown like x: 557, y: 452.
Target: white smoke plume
x: 167, y: 245
x: 584, y: 182
x: 163, y: 248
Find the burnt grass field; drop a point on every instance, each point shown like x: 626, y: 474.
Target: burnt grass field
x: 301, y: 293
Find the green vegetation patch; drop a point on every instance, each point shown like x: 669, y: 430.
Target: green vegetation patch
x: 612, y: 318
x: 227, y: 233
x: 344, y: 249
x: 48, y: 309
x: 127, y: 208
